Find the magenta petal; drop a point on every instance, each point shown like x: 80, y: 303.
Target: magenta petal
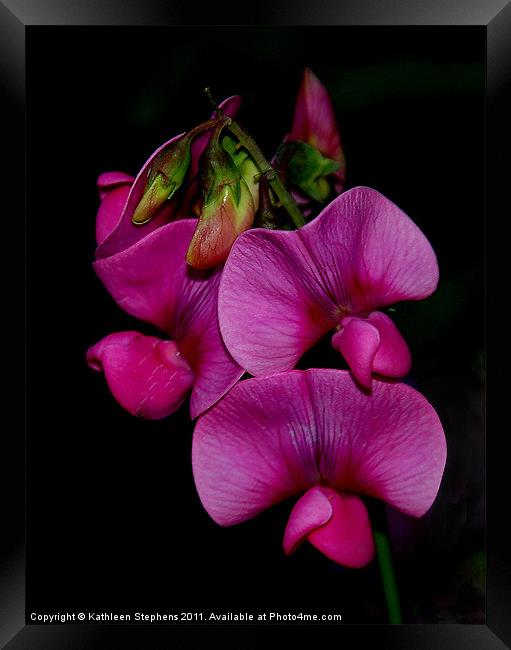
x: 110, y: 209
x: 358, y: 342
x: 147, y: 376
x: 282, y: 291
x: 314, y: 121
x: 347, y: 538
x: 277, y: 436
x: 108, y: 180
x: 393, y: 357
x: 336, y: 524
x: 312, y: 510
x: 151, y: 281
x: 271, y: 305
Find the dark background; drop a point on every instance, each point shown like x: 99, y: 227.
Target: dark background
x: 113, y: 519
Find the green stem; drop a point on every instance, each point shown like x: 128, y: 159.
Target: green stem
x: 264, y: 167
x: 388, y: 577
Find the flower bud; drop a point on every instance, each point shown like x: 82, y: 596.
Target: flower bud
x: 165, y: 177
x: 228, y: 208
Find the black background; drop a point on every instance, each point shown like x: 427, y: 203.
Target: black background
x: 113, y: 519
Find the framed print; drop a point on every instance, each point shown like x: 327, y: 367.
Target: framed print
x: 255, y: 325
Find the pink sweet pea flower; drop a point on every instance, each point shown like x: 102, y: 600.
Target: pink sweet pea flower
x: 282, y: 291
x: 150, y: 280
x: 314, y: 123
x: 316, y: 433
x: 117, y: 232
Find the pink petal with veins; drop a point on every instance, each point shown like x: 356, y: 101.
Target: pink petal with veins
x: 282, y: 291
x: 274, y: 437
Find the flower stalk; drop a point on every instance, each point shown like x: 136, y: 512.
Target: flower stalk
x: 285, y: 198
x: 388, y: 576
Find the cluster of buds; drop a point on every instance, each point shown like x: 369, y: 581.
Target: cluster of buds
x: 217, y: 172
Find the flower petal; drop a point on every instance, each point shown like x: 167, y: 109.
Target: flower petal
x: 151, y: 281
x: 271, y: 305
x: 345, y: 536
x: 393, y: 357
x: 277, y: 436
x: 312, y: 510
x: 108, y: 180
x: 358, y: 342
x: 113, y: 200
x: 147, y: 376
x: 314, y: 122
x: 282, y: 291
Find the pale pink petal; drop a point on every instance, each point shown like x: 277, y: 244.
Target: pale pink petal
x: 147, y: 376
x: 345, y: 536
x: 151, y: 281
x: 274, y: 437
x: 358, y: 342
x: 314, y: 122
x: 393, y: 357
x: 282, y: 291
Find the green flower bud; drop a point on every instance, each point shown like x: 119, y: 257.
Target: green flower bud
x: 165, y: 177
x: 228, y: 208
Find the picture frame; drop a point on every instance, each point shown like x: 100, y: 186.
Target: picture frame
x: 16, y: 19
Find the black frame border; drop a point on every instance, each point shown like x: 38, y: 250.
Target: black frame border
x: 18, y: 15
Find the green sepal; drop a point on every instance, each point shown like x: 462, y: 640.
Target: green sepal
x: 307, y: 168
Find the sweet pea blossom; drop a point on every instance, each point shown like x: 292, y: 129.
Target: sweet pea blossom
x: 315, y: 433
x: 148, y: 375
x: 314, y: 124
x: 120, y: 233
x: 282, y: 291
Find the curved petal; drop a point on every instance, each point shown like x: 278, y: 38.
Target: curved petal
x: 314, y: 122
x: 151, y: 281
x: 281, y: 291
x: 273, y: 437
x: 110, y: 209
x: 108, y: 180
x: 358, y: 342
x: 312, y: 510
x: 147, y: 376
x: 345, y: 536
x: 393, y: 357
